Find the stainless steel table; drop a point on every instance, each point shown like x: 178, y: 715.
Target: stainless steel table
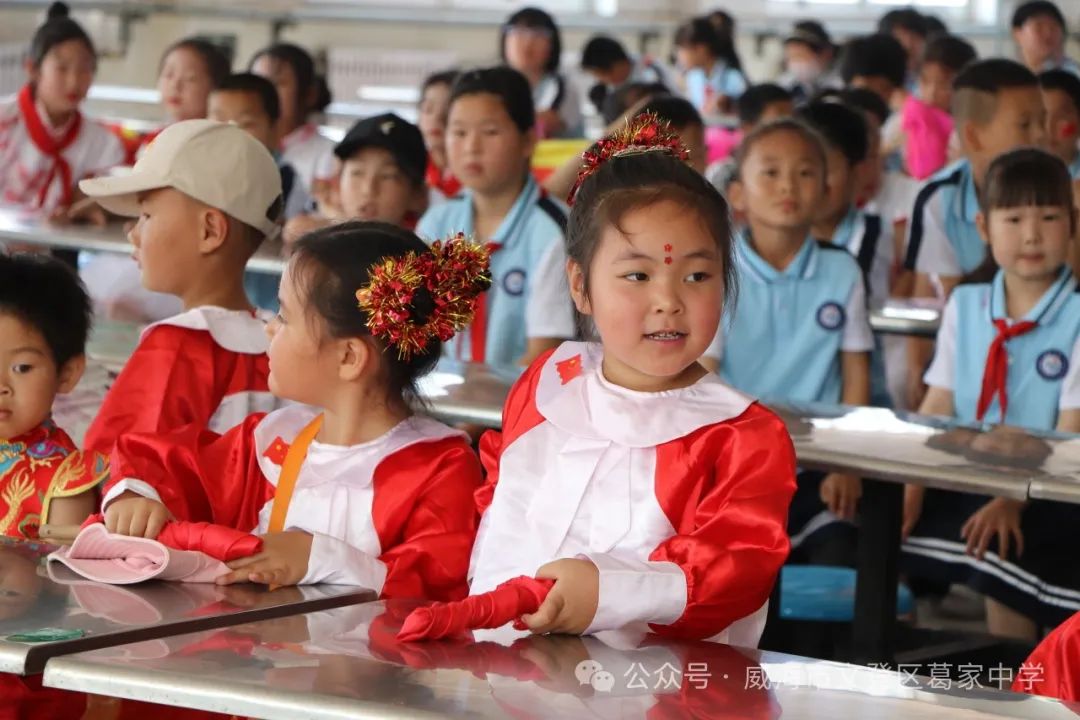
x: 466, y: 393
x: 23, y: 228
x: 49, y: 612
x: 345, y: 663
x: 886, y: 449
x: 906, y: 317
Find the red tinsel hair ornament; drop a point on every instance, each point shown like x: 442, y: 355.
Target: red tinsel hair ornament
x: 454, y: 272
x: 643, y: 133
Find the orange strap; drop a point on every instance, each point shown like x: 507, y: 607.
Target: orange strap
x: 290, y: 470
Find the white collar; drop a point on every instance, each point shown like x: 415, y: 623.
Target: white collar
x: 235, y: 330
x: 589, y: 406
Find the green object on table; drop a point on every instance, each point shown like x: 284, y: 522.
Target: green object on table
x: 46, y: 635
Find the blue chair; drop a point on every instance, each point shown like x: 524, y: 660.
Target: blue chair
x: 826, y: 594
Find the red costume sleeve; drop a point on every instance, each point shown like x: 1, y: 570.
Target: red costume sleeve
x: 731, y: 539
x: 427, y: 536
x: 199, y: 475
x: 166, y: 384
x: 1053, y: 670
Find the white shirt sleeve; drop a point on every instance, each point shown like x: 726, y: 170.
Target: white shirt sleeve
x: 858, y: 337
x: 635, y: 591
x: 942, y: 371
x: 1070, y: 388
x: 936, y: 254
x: 549, y: 312
x: 139, y: 487
x: 336, y: 562
x: 108, y: 153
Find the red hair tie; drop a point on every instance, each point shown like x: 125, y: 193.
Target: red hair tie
x: 643, y: 133
x: 454, y: 272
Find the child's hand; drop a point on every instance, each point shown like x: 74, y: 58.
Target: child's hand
x: 283, y: 561
x: 571, y: 605
x: 137, y: 516
x: 841, y: 494
x: 1000, y: 517
x: 913, y: 502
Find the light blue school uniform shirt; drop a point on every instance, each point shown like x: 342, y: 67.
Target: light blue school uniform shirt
x: 942, y: 237
x: 529, y: 297
x: 870, y: 242
x: 1066, y: 63
x: 1044, y: 364
x: 720, y: 80
x: 783, y: 338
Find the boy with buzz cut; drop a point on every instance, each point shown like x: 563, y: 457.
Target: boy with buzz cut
x: 206, y: 195
x: 996, y: 107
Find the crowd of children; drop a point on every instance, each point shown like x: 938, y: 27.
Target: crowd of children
x: 654, y: 292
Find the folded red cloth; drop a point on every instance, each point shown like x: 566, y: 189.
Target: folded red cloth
x: 506, y: 603
x: 219, y: 542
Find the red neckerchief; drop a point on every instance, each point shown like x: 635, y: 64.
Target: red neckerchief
x: 478, y: 328
x: 49, y: 145
x: 996, y: 373
x: 444, y: 182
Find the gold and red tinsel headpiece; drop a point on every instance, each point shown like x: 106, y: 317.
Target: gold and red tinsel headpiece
x: 643, y: 133
x: 454, y: 272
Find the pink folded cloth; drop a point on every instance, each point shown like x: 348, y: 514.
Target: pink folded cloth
x: 104, y: 557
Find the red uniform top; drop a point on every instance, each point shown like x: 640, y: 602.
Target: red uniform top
x: 207, y: 366
x: 680, y: 498
x: 395, y: 514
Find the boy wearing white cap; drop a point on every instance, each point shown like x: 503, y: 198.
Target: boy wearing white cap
x: 206, y: 194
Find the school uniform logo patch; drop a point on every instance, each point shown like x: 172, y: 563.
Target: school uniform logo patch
x: 831, y: 316
x: 1052, y: 365
x: 514, y: 282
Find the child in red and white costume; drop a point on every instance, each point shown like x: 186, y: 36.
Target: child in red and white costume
x: 46, y: 145
x: 380, y: 497
x: 206, y: 194
x: 650, y: 491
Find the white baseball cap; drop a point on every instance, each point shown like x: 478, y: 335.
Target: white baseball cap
x: 216, y: 163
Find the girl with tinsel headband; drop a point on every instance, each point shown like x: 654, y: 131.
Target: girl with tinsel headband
x: 649, y: 491
x: 348, y: 486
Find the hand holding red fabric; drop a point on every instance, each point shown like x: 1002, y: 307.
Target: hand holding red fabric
x: 506, y: 603
x: 219, y: 542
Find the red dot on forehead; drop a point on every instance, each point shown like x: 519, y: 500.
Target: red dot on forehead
x: 667, y: 248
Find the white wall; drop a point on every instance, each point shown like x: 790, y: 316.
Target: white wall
x: 138, y: 65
